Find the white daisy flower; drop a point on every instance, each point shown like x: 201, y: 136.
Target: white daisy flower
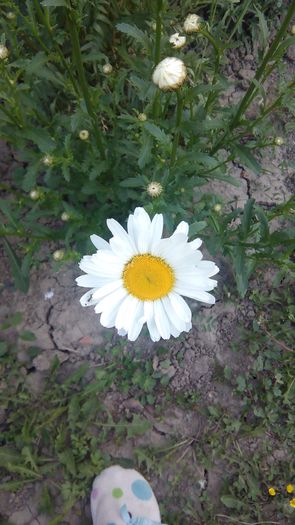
x: 138, y: 277
x: 170, y: 73
x: 192, y: 23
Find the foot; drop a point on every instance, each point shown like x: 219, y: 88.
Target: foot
x: 123, y: 497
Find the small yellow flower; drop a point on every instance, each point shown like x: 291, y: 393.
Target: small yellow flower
x: 272, y: 491
x: 107, y: 69
x: 3, y: 52
x: 47, y: 160
x: 58, y: 255
x: 65, y: 216
x: 84, y: 134
x: 142, y: 117
x: 290, y: 488
x: 279, y: 141
x: 35, y: 195
x: 217, y: 208
x: 292, y: 503
x: 154, y: 189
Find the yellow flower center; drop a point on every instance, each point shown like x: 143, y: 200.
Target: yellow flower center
x: 148, y: 277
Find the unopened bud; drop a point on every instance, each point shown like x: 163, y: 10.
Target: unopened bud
x: 65, y: 216
x: 10, y: 15
x: 3, y: 52
x: 142, y: 117
x: 279, y: 141
x: 107, y: 69
x: 35, y: 195
x: 84, y: 134
x: 217, y: 208
x: 154, y: 189
x: 58, y: 255
x: 47, y: 160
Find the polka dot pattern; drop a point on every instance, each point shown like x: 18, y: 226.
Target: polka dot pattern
x: 117, y: 493
x: 141, y: 490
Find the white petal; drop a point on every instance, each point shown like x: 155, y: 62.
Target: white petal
x: 199, y: 295
x: 122, y: 332
x: 208, y: 267
x: 122, y: 249
x: 174, y: 319
x: 111, y: 301
x: 141, y: 226
x: 182, y: 228
x: 87, y: 298
x: 161, y: 320
x: 110, y: 308
x: 180, y: 307
x: 156, y: 231
x: 137, y: 323
x: 90, y: 281
x: 99, y: 242
x: 118, y: 231
x: 149, y: 317
x: 192, y: 281
x: 195, y: 244
x: 123, y: 313
x: 107, y: 289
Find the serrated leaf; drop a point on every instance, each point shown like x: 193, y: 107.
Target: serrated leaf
x: 263, y: 223
x: 132, y: 31
x: 247, y: 158
x: 145, y: 152
x: 21, y: 280
x: 42, y: 138
x: 157, y: 132
x: 133, y: 182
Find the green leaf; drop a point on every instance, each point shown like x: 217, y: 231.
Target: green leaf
x: 55, y: 3
x: 132, y: 31
x: 157, y: 132
x: 27, y: 336
x: 230, y: 502
x: 133, y: 182
x: 42, y: 138
x: 247, y: 158
x: 196, y: 227
x: 67, y: 459
x: 21, y: 279
x: 138, y: 427
x: 145, y: 152
x: 263, y: 223
x: 247, y: 217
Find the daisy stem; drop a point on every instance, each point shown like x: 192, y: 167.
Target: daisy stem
x: 177, y: 125
x: 157, y: 54
x: 77, y: 57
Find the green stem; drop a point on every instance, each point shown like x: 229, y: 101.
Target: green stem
x: 210, y: 38
x: 77, y: 57
x: 240, y: 18
x: 247, y: 99
x: 157, y: 54
x: 177, y: 125
x: 158, y: 32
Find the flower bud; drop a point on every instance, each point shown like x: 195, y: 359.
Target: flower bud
x: 177, y: 41
x: 35, y: 195
x: 3, y: 52
x: 293, y: 30
x: 154, y: 189
x: 272, y: 491
x: 10, y: 15
x: 47, y: 160
x: 107, y: 69
x: 142, y: 117
x: 279, y: 141
x: 84, y: 134
x: 65, y: 216
x: 192, y: 23
x: 170, y: 74
x: 217, y: 208
x: 58, y: 255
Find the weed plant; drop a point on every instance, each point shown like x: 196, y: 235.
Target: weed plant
x: 74, y: 87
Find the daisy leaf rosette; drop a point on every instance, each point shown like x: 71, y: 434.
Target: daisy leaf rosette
x: 139, y: 277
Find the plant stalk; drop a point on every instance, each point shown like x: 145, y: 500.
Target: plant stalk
x: 247, y: 99
x: 77, y: 57
x: 179, y: 108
